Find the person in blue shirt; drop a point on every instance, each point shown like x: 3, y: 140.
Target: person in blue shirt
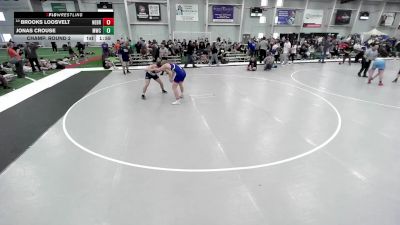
x: 176, y: 76
x: 252, y: 47
x: 124, y: 57
x: 378, y: 64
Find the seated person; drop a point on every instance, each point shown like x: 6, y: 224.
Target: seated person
x: 222, y: 56
x: 27, y: 67
x: 3, y: 81
x: 252, y: 64
x: 268, y: 61
x: 108, y: 64
x: 45, y: 64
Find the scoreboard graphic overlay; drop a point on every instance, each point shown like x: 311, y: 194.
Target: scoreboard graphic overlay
x: 63, y: 26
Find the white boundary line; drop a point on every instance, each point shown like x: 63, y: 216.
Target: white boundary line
x: 81, y: 147
x: 338, y: 95
x: 11, y: 99
x: 29, y: 78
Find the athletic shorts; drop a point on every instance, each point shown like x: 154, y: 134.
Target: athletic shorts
x: 150, y: 76
x: 180, y: 77
x: 378, y: 64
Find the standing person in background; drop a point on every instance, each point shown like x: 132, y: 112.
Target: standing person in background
x: 214, y: 55
x: 252, y: 48
x: 286, y: 51
x: 124, y: 57
x: 275, y: 50
x: 325, y: 46
x: 138, y: 46
x: 189, y: 53
x: 54, y: 47
x: 33, y: 57
x: 105, y: 53
x: 15, y: 58
x: 293, y: 51
x: 370, y: 55
x: 154, y: 51
x: 263, y: 49
x: 117, y: 46
x: 164, y: 52
x: 346, y: 53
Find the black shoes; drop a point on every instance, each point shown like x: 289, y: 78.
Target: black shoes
x: 164, y: 92
x: 143, y: 97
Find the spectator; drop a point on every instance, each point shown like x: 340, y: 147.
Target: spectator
x: 275, y: 50
x: 293, y: 51
x: 252, y: 64
x: 124, y: 57
x: 138, y: 46
x: 155, y: 52
x: 252, y: 48
x: 117, y: 46
x: 189, y: 54
x: 32, y: 56
x: 326, y: 45
x: 286, y: 51
x: 214, y: 55
x: 263, y: 48
x: 105, y: 53
x: 72, y: 54
x: 54, y: 47
x: 268, y: 61
x: 3, y: 81
x: 163, y: 52
x: 15, y: 58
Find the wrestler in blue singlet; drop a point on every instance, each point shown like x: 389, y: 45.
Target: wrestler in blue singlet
x: 180, y: 73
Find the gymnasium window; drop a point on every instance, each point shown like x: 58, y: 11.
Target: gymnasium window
x: 2, y: 18
x: 6, y: 37
x: 263, y: 19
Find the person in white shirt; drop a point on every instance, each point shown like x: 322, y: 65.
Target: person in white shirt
x: 275, y: 50
x: 286, y: 51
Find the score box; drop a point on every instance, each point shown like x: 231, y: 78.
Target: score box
x: 103, y: 38
x: 89, y: 38
x: 108, y: 21
x: 108, y: 30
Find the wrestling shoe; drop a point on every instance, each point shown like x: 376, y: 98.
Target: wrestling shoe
x: 177, y: 102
